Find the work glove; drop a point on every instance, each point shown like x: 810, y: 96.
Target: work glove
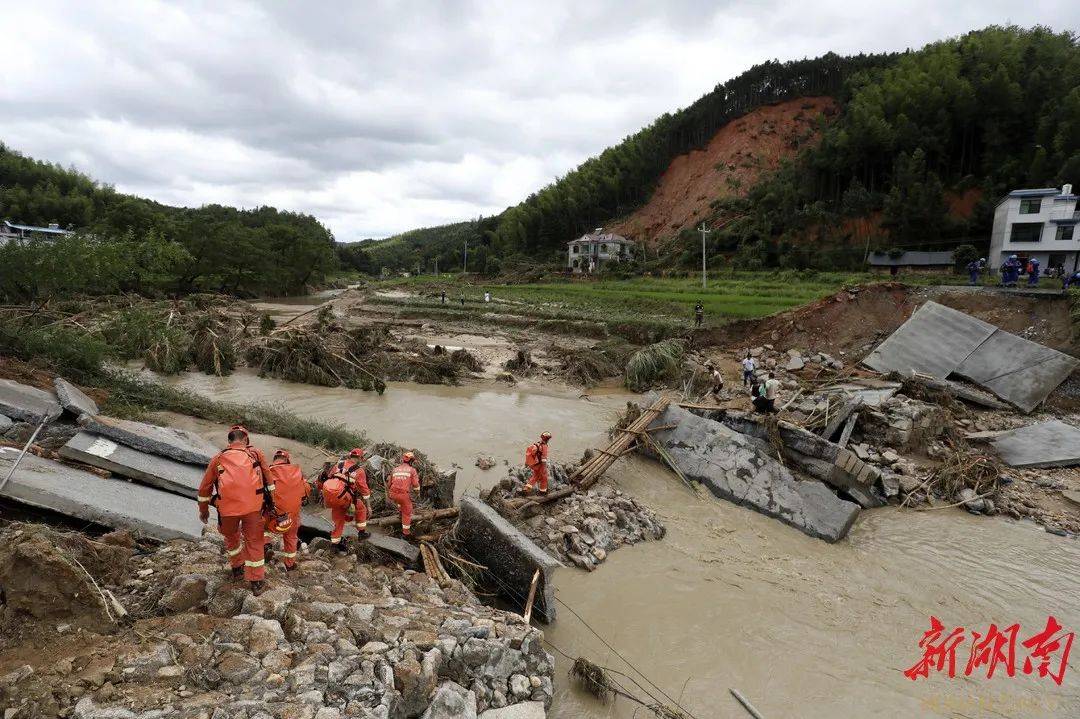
x: 204, y: 512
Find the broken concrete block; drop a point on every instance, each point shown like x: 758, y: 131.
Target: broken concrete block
x: 161, y: 472
x: 508, y: 554
x: 24, y: 403
x: 73, y: 399
x: 115, y: 503
x: 165, y: 441
x: 1046, y: 444
x: 794, y: 364
x: 740, y: 469
x: 5, y: 423
x: 397, y: 548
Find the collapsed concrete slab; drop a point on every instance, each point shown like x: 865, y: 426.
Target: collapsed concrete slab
x: 510, y: 556
x: 73, y: 399
x: 396, y: 548
x: 24, y: 403
x: 939, y: 341
x: 934, y: 341
x: 161, y: 472
x: 172, y: 443
x: 838, y: 467
x: 57, y: 487
x: 1017, y: 370
x: 738, y: 468
x: 870, y: 392
x: 1046, y: 444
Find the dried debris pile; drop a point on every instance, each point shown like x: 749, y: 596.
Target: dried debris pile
x: 338, y: 639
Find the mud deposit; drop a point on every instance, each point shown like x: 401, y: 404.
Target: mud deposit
x: 732, y: 599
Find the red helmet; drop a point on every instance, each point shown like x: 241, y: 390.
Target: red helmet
x: 408, y: 458
x: 545, y: 436
x: 283, y: 454
x: 279, y: 523
x: 238, y: 428
x: 357, y: 452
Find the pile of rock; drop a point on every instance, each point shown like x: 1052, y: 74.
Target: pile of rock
x: 792, y: 360
x: 338, y: 639
x: 903, y: 422
x: 585, y: 526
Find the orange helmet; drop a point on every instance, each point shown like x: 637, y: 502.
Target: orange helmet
x: 239, y: 428
x: 545, y: 436
x: 357, y: 452
x: 408, y: 458
x: 279, y: 523
x: 283, y: 454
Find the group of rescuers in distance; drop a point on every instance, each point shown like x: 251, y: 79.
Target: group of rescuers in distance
x: 257, y: 501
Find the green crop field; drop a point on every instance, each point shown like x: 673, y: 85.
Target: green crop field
x: 658, y: 301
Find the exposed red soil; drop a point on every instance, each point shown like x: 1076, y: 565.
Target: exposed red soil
x: 737, y: 156
x: 962, y: 204
x: 851, y: 321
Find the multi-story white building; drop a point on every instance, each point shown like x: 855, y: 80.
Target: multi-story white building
x: 1038, y: 223
x: 591, y: 251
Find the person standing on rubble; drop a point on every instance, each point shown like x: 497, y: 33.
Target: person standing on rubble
x: 238, y: 483
x: 345, y: 492
x: 770, y: 389
x: 536, y: 459
x: 699, y: 314
x: 290, y: 493
x: 749, y: 364
x: 404, y: 481
x: 717, y: 379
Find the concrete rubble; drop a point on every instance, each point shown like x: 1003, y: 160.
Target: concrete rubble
x: 341, y: 639
x: 903, y: 423
x: 939, y: 341
x: 57, y: 487
x: 165, y: 441
x: 585, y: 527
x: 24, y: 403
x: 73, y: 399
x: 1046, y: 444
x: 741, y: 469
x: 509, y: 555
x: 161, y: 472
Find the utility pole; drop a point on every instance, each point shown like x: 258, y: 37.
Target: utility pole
x: 703, y: 232
x: 466, y: 270
x: 436, y: 266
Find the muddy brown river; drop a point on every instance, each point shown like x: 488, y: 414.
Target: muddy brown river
x: 731, y: 599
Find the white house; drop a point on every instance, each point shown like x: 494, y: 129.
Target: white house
x: 13, y: 231
x: 593, y: 250
x: 1038, y: 223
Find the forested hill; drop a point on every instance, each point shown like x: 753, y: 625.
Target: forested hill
x: 991, y: 110
x: 129, y: 243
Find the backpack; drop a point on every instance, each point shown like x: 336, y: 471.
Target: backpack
x: 532, y: 455
x: 336, y: 493
x: 239, y: 486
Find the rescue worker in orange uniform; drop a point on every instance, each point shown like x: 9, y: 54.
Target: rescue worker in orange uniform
x: 290, y: 493
x: 404, y: 480
x: 536, y: 459
x: 238, y: 483
x: 345, y: 491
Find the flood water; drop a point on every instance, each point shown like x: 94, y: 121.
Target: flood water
x: 731, y: 599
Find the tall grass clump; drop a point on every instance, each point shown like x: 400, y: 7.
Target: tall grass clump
x: 654, y: 364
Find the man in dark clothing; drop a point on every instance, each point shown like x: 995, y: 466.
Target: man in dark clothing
x: 699, y: 314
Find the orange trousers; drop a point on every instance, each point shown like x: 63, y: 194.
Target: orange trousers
x: 539, y: 475
x: 404, y: 502
x: 244, y: 543
x: 289, y: 540
x: 357, y: 512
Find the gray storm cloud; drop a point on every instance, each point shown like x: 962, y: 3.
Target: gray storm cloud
x: 382, y: 116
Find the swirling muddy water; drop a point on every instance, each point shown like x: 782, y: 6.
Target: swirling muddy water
x: 731, y: 599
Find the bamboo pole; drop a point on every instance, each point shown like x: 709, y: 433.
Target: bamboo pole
x: 532, y: 596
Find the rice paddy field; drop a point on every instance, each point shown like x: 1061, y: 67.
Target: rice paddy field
x: 664, y: 302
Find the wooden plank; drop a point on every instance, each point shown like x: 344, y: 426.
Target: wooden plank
x: 447, y: 513
x: 532, y: 596
x: 846, y: 434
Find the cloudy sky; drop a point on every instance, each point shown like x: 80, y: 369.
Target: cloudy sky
x: 381, y: 116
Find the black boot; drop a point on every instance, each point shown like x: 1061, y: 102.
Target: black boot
x: 268, y: 552
x: 340, y: 546
x: 237, y: 573
x: 258, y: 587
x: 363, y: 533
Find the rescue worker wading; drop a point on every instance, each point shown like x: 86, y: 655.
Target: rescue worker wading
x: 345, y: 492
x: 404, y: 480
x: 238, y: 483
x: 536, y: 459
x: 290, y: 493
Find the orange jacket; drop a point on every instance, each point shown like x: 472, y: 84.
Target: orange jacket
x: 536, y: 453
x: 356, y: 475
x: 403, y: 478
x: 235, y: 475
x: 289, y: 486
